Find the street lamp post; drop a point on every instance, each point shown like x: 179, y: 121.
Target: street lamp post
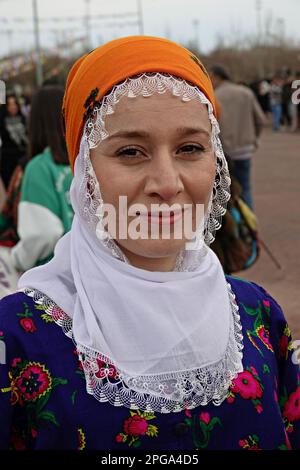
x: 38, y: 63
x: 88, y: 25
x: 196, y: 29
x: 258, y: 19
x: 140, y: 16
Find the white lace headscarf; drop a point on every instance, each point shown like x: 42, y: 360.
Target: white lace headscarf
x: 149, y: 340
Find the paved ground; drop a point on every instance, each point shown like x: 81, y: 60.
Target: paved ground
x: 276, y: 182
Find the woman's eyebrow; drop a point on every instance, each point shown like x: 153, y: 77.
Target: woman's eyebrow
x: 182, y: 131
x: 192, y: 130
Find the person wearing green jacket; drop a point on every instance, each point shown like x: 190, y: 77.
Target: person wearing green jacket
x: 44, y: 210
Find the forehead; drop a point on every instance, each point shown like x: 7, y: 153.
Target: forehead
x: 156, y: 111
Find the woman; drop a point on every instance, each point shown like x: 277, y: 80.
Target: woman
x: 8, y: 232
x: 13, y: 137
x: 168, y: 353
x: 37, y: 211
x: 276, y: 102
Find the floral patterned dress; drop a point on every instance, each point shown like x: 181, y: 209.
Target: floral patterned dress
x: 44, y: 403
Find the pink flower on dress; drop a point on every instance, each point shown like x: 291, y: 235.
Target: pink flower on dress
x: 33, y: 381
x: 259, y: 408
x: 230, y: 398
x: 188, y: 413
x: 205, y: 417
x: 291, y: 409
x: 253, y: 370
x: 119, y: 438
x: 252, y: 443
x: 16, y: 361
x: 28, y: 325
x: 246, y: 385
x: 135, y: 426
x: 266, y: 303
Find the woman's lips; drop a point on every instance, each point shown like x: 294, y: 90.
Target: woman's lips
x: 162, y: 217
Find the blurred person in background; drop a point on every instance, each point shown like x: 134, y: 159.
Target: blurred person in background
x: 13, y: 137
x: 2, y: 188
x: 263, y: 95
x: 37, y: 211
x: 294, y: 106
x: 287, y: 92
x: 276, y: 98
x: 241, y: 120
x: 25, y: 105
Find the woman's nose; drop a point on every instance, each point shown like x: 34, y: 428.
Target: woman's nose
x: 164, y: 179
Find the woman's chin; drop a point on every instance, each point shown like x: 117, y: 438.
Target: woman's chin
x: 153, y: 248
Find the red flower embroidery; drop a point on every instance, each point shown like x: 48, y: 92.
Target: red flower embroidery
x: 16, y: 361
x: 230, y: 398
x: 252, y: 443
x: 291, y: 409
x: 246, y: 385
x: 135, y: 426
x: 106, y: 370
x: 28, y: 325
x: 259, y: 408
x: 205, y: 417
x: 33, y: 381
x: 253, y: 370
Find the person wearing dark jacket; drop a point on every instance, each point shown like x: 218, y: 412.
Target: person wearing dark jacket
x: 13, y: 138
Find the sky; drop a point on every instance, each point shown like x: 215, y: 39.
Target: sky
x: 181, y: 20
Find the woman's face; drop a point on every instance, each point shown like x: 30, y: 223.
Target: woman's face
x: 12, y: 107
x: 158, y: 151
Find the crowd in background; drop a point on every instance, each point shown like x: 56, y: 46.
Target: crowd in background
x: 275, y: 97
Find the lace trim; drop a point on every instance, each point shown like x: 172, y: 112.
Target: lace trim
x: 147, y: 84
x: 192, y: 387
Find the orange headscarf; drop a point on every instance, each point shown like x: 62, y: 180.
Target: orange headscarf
x: 94, y: 74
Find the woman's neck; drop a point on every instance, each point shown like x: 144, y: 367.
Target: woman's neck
x: 151, y: 264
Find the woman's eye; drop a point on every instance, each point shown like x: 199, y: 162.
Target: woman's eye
x: 130, y: 153
x: 191, y: 149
